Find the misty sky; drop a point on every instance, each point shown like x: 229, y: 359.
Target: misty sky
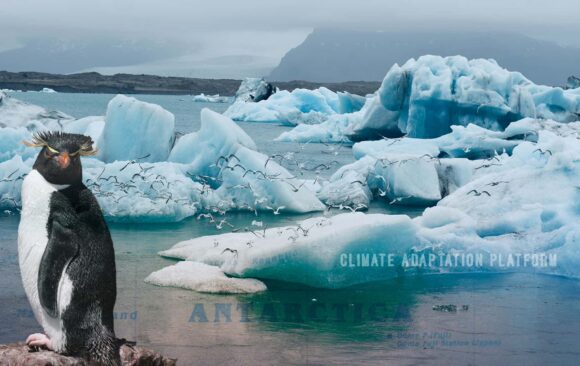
x: 213, y: 33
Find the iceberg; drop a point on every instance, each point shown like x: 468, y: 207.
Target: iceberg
x: 348, y: 186
x: 332, y: 130
x: 349, y: 103
x: 15, y: 113
x: 410, y: 181
x: 219, y: 132
x: 305, y: 253
x: 402, y: 179
x: 301, y: 106
x: 202, y: 98
x: 136, y: 130
x: 92, y: 126
x: 423, y: 98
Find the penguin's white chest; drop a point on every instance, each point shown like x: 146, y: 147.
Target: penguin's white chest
x: 32, y: 241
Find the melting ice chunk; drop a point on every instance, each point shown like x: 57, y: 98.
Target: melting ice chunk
x: 203, y: 278
x: 136, y: 129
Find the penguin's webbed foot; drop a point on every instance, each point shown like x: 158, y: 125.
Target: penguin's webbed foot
x: 39, y: 340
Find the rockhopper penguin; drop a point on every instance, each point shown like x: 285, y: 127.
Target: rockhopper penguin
x: 66, y: 254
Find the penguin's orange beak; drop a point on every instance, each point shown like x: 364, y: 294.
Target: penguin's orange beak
x: 63, y: 160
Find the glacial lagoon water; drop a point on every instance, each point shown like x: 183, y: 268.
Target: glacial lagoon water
x: 500, y: 319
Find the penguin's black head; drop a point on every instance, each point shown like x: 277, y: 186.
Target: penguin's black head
x: 59, y: 160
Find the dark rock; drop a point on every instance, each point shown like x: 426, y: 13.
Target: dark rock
x: 449, y: 308
x: 264, y: 92
x: 573, y: 82
x: 254, y: 90
x: 18, y: 354
x: 445, y: 308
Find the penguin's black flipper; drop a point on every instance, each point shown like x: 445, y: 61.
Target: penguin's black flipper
x: 60, y: 251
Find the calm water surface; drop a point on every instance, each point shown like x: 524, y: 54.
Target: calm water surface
x: 507, y: 319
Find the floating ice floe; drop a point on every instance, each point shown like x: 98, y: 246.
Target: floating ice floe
x: 517, y: 214
x: 203, y: 278
x: 332, y: 130
x: 202, y: 98
x: 304, y: 253
x: 301, y: 106
x: 15, y: 113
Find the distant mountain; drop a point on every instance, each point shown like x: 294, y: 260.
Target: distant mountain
x: 72, y: 55
x: 125, y: 56
x: 339, y: 55
x: 223, y: 67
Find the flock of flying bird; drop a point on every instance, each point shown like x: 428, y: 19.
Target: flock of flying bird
x: 160, y: 185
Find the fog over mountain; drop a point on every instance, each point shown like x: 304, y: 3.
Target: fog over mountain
x: 342, y: 55
x: 73, y: 54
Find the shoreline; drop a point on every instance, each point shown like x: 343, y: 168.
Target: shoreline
x: 96, y: 83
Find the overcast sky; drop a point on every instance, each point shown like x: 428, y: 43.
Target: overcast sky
x: 268, y: 28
